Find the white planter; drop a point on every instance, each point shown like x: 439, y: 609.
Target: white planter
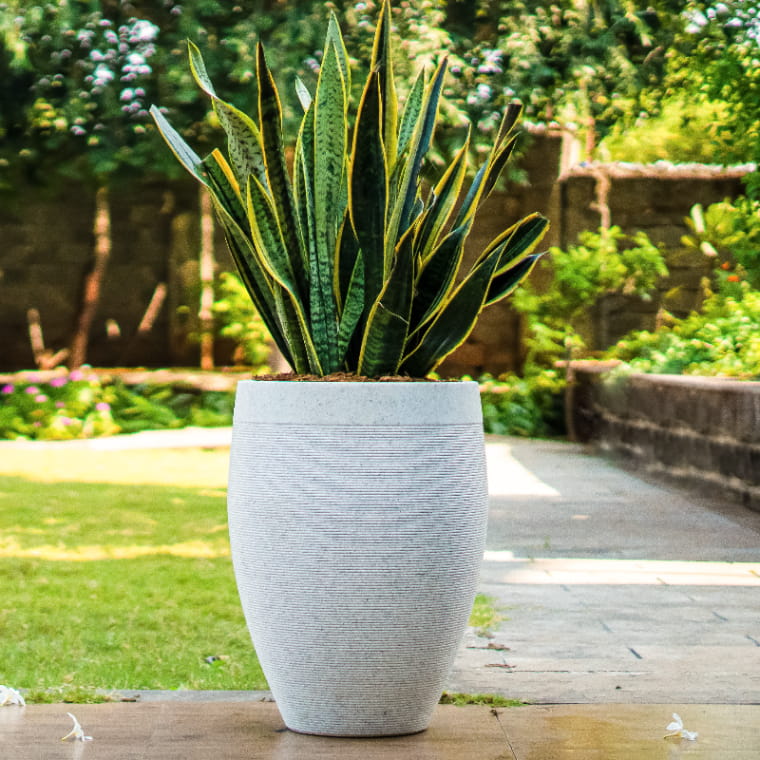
x: 357, y: 516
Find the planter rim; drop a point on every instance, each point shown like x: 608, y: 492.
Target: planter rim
x: 357, y: 403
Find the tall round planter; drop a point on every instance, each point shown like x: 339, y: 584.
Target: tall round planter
x: 357, y: 515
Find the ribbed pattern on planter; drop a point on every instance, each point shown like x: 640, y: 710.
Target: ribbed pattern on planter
x: 357, y: 550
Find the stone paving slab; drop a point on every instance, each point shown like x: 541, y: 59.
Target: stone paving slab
x: 254, y: 731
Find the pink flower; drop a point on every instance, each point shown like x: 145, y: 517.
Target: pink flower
x: 57, y: 382
x: 75, y: 375
x: 41, y: 398
x: 32, y: 390
x: 103, y: 406
x: 60, y: 404
x: 6, y: 389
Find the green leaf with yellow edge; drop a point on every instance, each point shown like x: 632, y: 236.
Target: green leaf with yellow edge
x: 446, y: 194
x: 503, y: 283
x: 388, y: 322
x: 243, y: 138
x: 405, y: 201
x: 278, y: 181
x: 234, y: 221
x: 271, y: 246
x: 453, y: 321
x: 437, y: 277
x: 382, y: 63
x: 368, y: 197
x: 335, y: 37
x: 330, y: 140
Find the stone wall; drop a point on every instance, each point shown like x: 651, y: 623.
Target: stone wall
x: 701, y: 430
x: 48, y: 244
x: 656, y: 199
x: 47, y: 252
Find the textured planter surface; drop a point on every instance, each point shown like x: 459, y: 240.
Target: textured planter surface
x: 357, y: 517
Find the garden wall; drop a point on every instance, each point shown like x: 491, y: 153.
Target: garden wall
x: 700, y: 430
x: 657, y: 199
x: 48, y: 244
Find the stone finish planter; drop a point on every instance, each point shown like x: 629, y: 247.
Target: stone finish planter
x: 357, y: 516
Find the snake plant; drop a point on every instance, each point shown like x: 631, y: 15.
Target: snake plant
x: 352, y: 264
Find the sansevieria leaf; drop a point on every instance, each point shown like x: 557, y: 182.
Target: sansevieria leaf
x: 354, y: 257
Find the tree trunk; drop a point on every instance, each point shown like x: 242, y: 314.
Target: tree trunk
x: 206, y: 312
x: 94, y: 281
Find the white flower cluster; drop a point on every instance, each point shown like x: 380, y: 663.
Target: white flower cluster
x: 120, y: 56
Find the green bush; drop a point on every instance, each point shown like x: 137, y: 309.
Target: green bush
x: 684, y: 131
x: 571, y: 281
x: 241, y: 322
x: 724, y: 339
x: 531, y: 406
x: 729, y: 233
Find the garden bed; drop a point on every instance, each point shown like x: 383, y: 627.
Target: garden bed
x: 700, y: 430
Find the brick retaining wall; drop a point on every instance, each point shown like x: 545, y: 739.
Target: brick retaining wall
x: 701, y: 430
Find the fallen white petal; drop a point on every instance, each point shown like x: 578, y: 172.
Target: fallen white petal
x: 76, y: 733
x: 9, y: 696
x: 676, y: 725
x: 676, y: 728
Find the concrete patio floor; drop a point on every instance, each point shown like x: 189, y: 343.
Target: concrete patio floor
x: 222, y: 730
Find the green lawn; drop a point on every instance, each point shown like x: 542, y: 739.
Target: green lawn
x: 113, y: 576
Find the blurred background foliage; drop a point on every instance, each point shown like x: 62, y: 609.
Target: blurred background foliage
x: 77, y: 76
x: 633, y: 80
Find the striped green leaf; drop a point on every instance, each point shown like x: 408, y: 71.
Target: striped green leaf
x: 330, y: 138
x: 278, y: 182
x: 223, y: 184
x: 353, y: 310
x: 335, y: 38
x: 182, y: 151
x: 368, y: 199
x: 388, y: 322
x: 243, y: 138
x: 411, y: 113
x: 234, y: 222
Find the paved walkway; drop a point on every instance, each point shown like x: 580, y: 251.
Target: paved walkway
x: 614, y: 588
x: 623, y: 600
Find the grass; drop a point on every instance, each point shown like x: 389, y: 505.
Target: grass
x: 116, y: 577
x: 485, y: 615
x: 492, y: 700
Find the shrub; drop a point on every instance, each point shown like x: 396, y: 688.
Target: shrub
x: 729, y: 233
x: 571, y: 281
x: 80, y: 404
x: 724, y: 339
x: 531, y: 406
x: 241, y: 322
